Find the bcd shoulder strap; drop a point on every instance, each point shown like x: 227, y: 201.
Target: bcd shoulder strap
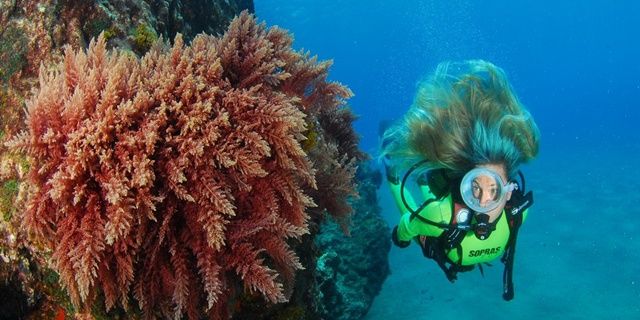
x: 514, y: 209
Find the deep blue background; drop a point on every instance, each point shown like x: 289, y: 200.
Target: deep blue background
x: 575, y: 64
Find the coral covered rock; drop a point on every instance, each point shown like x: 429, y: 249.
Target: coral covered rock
x: 35, y: 32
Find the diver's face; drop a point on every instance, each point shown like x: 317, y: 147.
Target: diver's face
x: 485, y: 188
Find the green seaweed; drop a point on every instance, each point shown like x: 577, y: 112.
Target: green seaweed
x: 143, y: 38
x: 311, y: 136
x: 8, y: 192
x: 93, y: 28
x: 24, y: 163
x: 294, y: 312
x: 110, y: 33
x: 13, y: 53
x: 55, y: 292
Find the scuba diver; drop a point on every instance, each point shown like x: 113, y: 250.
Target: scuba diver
x: 462, y: 142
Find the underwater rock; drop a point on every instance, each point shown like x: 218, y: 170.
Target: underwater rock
x: 343, y: 273
x: 352, y: 268
x: 190, y: 17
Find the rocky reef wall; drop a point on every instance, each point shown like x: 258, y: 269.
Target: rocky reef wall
x: 337, y: 247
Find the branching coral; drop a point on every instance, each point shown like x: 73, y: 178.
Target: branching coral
x: 177, y: 178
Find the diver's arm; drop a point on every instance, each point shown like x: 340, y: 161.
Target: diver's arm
x: 408, y: 228
x: 397, y: 197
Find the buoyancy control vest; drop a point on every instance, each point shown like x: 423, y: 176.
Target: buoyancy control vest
x: 435, y: 226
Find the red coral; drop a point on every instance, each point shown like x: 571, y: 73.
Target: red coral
x: 174, y: 178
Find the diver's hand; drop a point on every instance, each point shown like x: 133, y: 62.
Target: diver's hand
x: 396, y: 241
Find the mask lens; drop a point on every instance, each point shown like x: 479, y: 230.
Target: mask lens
x: 482, y: 190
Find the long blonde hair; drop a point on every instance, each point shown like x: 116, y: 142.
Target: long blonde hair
x: 464, y: 115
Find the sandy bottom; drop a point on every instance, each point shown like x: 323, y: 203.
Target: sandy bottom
x: 578, y: 252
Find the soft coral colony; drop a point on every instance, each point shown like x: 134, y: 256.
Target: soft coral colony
x: 178, y: 180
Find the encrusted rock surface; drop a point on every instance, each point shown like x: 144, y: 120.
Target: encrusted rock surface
x: 352, y: 268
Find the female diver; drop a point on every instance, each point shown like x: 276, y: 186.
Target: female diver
x: 462, y: 140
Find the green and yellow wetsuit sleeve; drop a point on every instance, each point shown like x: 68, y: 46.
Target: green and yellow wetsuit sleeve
x: 408, y: 226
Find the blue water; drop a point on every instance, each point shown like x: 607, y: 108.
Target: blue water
x: 576, y: 66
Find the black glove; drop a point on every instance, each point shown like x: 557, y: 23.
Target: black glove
x: 396, y: 241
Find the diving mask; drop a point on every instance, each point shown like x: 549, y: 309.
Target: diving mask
x: 483, y: 189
